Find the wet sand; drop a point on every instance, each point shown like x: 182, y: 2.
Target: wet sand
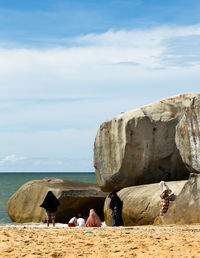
x: 139, y: 241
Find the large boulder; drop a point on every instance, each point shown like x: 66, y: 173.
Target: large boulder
x: 74, y: 197
x: 141, y: 204
x: 186, y: 208
x: 188, y: 136
x: 138, y: 147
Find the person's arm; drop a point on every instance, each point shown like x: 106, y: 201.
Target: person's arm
x: 75, y: 221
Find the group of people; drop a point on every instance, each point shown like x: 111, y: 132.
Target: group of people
x: 92, y: 221
x: 51, y: 203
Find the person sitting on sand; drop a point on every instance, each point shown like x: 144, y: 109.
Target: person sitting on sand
x: 116, y: 207
x: 79, y: 222
x: 165, y: 192
x: 50, y: 204
x: 93, y: 219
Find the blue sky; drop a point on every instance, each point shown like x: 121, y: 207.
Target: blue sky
x: 46, y: 22
x: 67, y: 66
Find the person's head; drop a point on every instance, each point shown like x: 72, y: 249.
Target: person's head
x: 79, y: 216
x: 50, y: 194
x: 92, y: 211
x: 112, y: 194
x: 164, y: 187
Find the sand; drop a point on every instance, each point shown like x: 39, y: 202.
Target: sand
x: 140, y: 241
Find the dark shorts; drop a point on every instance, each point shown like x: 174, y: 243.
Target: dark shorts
x: 51, y: 215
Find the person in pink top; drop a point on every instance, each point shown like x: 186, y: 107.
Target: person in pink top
x: 93, y: 219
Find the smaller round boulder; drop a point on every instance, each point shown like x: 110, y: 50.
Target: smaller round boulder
x: 74, y: 197
x: 141, y: 204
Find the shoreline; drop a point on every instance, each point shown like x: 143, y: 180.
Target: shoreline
x: 176, y: 227
x: 135, y: 241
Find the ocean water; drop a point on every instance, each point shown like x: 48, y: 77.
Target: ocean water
x: 11, y: 182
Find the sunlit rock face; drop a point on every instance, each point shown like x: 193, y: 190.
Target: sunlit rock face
x: 188, y: 136
x: 74, y: 197
x: 141, y: 204
x: 138, y: 147
x: 186, y: 208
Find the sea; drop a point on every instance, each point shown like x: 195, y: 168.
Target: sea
x: 11, y: 182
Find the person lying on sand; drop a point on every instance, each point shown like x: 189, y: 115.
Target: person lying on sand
x: 165, y: 192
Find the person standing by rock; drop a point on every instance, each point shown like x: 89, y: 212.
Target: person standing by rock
x: 116, y: 207
x: 165, y: 192
x: 50, y: 204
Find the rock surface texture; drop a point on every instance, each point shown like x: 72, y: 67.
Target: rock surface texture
x: 74, y: 197
x: 188, y: 136
x: 186, y: 208
x: 138, y: 147
x: 141, y: 204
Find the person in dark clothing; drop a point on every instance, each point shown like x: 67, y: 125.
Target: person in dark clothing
x: 50, y: 204
x: 116, y: 207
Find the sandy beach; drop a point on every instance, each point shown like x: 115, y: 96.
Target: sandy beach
x: 139, y: 241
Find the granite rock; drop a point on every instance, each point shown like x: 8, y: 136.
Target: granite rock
x: 188, y: 136
x: 186, y: 208
x: 141, y: 204
x: 138, y: 147
x: 74, y: 197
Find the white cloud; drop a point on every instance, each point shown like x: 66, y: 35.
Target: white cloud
x: 12, y: 158
x: 97, y: 60
x: 53, y: 100
x: 139, y: 37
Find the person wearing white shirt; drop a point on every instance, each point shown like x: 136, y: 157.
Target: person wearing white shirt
x: 80, y: 222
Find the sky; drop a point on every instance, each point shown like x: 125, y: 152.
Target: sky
x: 66, y: 66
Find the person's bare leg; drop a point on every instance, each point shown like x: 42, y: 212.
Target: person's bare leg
x: 53, y: 222
x: 47, y: 223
